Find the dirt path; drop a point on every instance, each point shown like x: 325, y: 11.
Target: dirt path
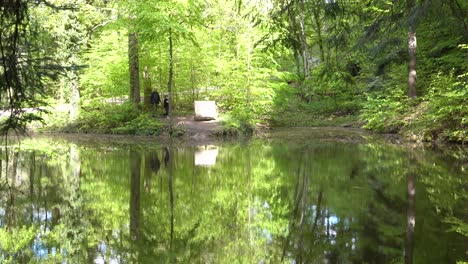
x: 197, y: 129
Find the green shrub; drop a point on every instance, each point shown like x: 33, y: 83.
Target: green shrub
x: 447, y: 112
x: 143, y: 125
x: 113, y: 119
x: 104, y: 118
x: 384, y: 112
x: 236, y: 123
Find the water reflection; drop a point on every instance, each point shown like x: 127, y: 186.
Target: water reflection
x: 261, y: 202
x: 206, y: 156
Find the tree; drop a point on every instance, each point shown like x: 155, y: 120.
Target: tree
x: 412, y: 21
x: 134, y: 68
x: 23, y: 66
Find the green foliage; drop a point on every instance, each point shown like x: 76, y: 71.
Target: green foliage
x: 144, y: 124
x: 303, y: 63
x: 247, y: 206
x: 14, y: 243
x: 446, y: 115
x: 106, y: 73
x: 384, y: 112
x: 237, y: 123
x: 290, y: 110
x: 458, y: 225
x: 114, y: 119
x: 440, y: 114
x: 25, y: 68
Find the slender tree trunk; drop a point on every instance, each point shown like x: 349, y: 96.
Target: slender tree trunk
x: 192, y: 79
x: 410, y: 217
x: 147, y: 172
x: 135, y: 171
x: 134, y: 68
x: 75, y: 168
x: 318, y: 29
x: 299, y: 31
x: 249, y: 56
x: 160, y: 69
x: 74, y: 96
x: 318, y: 211
x: 171, y: 193
x: 73, y: 180
x: 32, y: 174
x: 297, y: 48
x: 147, y: 88
x: 249, y: 197
x: 302, y: 220
x: 11, y: 212
x: 303, y: 38
x: 411, y: 53
x: 171, y: 72
x: 297, y: 198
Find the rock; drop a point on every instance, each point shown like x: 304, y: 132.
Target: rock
x: 205, y: 111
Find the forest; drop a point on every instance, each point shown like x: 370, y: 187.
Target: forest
x: 320, y: 155
x: 89, y: 66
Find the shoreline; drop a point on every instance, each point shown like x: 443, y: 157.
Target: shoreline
x: 293, y: 134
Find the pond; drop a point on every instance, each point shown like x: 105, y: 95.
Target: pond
x: 314, y: 196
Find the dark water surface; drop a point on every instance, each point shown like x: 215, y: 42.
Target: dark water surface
x: 310, y: 197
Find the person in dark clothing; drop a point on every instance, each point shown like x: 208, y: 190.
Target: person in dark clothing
x: 155, y: 100
x: 167, y: 157
x: 166, y: 105
x: 155, y: 163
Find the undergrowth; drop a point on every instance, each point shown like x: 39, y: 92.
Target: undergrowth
x: 109, y: 119
x: 322, y: 111
x: 440, y: 114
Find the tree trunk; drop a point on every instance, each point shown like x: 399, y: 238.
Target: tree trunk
x: 303, y: 39
x: 135, y: 172
x: 169, y: 157
x: 318, y: 28
x: 192, y: 79
x: 74, y: 96
x: 134, y: 68
x: 171, y: 72
x: 147, y: 159
x: 251, y: 208
x: 147, y: 88
x: 410, y: 217
x: 249, y: 55
x: 411, y: 53
x: 296, y: 48
x: 302, y: 219
x: 32, y: 174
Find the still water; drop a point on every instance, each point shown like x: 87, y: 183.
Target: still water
x: 300, y: 199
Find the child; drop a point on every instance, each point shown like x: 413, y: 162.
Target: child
x: 166, y: 105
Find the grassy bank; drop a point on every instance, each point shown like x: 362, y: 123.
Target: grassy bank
x: 119, y: 119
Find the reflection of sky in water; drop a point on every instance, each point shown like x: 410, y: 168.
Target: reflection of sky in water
x: 101, y: 258
x: 41, y: 250
x: 2, y: 214
x: 270, y: 210
x: 42, y: 215
x: 38, y: 248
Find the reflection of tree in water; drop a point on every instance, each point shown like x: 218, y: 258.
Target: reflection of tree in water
x: 318, y: 231
x: 410, y: 217
x: 336, y: 204
x: 167, y: 157
x: 152, y: 166
x: 169, y: 165
x: 135, y: 172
